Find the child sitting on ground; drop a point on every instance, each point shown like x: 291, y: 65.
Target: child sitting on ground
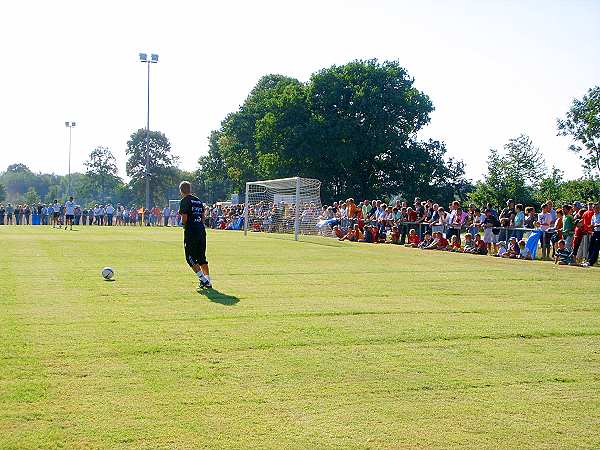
x: 501, y: 249
x: 524, y: 252
x: 337, y: 231
x: 562, y: 256
x: 413, y: 239
x: 366, y: 234
x: 480, y: 246
x: 349, y: 236
x: 434, y: 241
x: 513, y: 250
x: 395, y: 235
x: 469, y: 243
x: 427, y: 239
x: 442, y: 243
x: 455, y: 244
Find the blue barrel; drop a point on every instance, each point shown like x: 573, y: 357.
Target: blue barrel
x: 35, y: 219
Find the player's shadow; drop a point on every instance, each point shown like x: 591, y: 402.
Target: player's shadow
x: 218, y: 297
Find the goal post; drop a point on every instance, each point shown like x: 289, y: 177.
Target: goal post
x: 284, y: 205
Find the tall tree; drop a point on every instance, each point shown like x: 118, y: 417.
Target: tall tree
x: 162, y: 169
x: 101, y: 173
x: 515, y: 173
x: 53, y: 194
x: 211, y: 177
x: 2, y: 192
x: 351, y: 126
x: 582, y: 123
x: 31, y: 197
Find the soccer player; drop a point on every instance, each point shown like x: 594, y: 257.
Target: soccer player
x: 69, y: 212
x: 191, y: 211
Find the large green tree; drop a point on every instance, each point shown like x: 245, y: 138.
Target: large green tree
x: 162, y: 167
x: 101, y: 175
x: 31, y: 197
x: 514, y: 173
x: 2, y: 192
x: 353, y: 127
x: 211, y: 178
x: 582, y: 123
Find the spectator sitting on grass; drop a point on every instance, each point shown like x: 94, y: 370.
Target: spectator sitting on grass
x: 524, y: 252
x: 480, y: 246
x: 366, y: 234
x: 395, y: 235
x: 513, y: 250
x: 352, y: 235
x: 501, y: 249
x: 337, y: 231
x: 434, y: 241
x: 469, y: 243
x: 427, y: 240
x: 413, y: 239
x: 439, y: 242
x: 562, y: 256
x: 455, y: 244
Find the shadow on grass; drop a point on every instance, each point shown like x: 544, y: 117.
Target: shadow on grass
x: 218, y: 297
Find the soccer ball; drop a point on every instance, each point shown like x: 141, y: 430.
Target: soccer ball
x: 107, y: 273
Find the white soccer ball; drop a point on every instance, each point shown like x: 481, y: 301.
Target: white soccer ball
x: 107, y: 273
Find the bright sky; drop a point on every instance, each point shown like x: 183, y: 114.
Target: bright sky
x: 493, y: 69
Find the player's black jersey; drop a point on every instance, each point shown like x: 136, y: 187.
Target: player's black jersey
x: 194, y: 208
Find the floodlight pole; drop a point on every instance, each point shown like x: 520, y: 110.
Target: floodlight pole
x: 152, y: 60
x: 297, y: 215
x: 147, y: 144
x: 70, y: 126
x: 246, y: 212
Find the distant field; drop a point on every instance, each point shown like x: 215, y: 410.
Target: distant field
x: 303, y: 344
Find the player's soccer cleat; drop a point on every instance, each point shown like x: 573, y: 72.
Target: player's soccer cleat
x: 206, y: 284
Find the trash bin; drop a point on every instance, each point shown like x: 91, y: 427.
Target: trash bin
x: 35, y: 219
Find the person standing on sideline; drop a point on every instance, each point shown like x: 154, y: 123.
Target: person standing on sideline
x: 110, y: 210
x: 55, y: 209
x: 594, y: 247
x: 191, y: 210
x: 166, y: 214
x: 69, y: 213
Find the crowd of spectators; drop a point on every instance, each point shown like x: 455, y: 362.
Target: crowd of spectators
x: 569, y: 234
x: 99, y: 215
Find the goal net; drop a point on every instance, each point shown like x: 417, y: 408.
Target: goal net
x: 285, y: 205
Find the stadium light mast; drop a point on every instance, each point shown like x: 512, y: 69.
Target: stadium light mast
x: 70, y: 126
x: 152, y: 60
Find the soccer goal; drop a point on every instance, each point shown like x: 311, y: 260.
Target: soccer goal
x: 285, y: 205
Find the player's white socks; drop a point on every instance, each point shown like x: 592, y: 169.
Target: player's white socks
x: 203, y: 277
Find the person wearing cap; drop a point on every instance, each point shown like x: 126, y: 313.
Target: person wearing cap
x: 513, y: 251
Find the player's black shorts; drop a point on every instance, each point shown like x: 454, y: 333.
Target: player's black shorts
x: 56, y: 215
x: 195, y: 249
x: 69, y: 217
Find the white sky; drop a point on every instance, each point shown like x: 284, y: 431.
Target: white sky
x: 493, y: 69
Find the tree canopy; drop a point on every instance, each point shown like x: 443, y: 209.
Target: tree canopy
x: 354, y: 127
x: 582, y: 123
x: 162, y: 168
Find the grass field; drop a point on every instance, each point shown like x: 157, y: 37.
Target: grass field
x: 302, y: 345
